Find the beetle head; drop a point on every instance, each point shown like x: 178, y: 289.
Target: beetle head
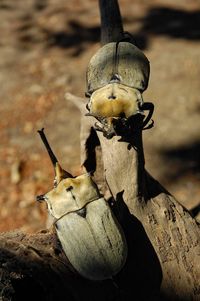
x: 69, y: 193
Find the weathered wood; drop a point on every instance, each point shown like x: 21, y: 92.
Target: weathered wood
x: 171, y: 230
x: 90, y: 150
x: 33, y: 267
x: 111, y: 22
x: 174, y: 234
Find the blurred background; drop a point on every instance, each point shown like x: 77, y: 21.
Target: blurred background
x: 45, y: 47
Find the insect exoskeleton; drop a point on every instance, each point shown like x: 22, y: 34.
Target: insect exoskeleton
x: 90, y: 235
x: 115, y: 100
x: 117, y: 75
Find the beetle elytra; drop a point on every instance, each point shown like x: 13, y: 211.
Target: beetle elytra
x: 90, y: 235
x: 117, y: 75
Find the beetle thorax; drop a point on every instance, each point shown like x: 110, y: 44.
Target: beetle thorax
x: 115, y: 100
x: 71, y: 194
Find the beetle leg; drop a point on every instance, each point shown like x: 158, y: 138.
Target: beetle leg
x: 105, y: 125
x: 97, y: 127
x: 149, y: 126
x: 87, y: 107
x: 87, y: 94
x: 93, y: 115
x: 150, y: 107
x: 108, y: 131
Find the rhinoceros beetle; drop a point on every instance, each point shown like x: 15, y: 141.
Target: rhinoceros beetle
x: 117, y: 75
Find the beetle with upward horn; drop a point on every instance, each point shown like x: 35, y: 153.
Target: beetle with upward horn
x: 89, y: 233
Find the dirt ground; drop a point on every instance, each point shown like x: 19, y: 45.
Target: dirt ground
x: 45, y: 47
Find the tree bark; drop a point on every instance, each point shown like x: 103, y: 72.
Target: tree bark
x: 34, y: 267
x: 174, y: 234
x: 170, y: 230
x: 111, y: 22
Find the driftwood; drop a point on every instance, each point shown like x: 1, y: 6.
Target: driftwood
x: 111, y: 23
x: 33, y: 267
x: 163, y: 239
x: 170, y: 230
x: 174, y: 234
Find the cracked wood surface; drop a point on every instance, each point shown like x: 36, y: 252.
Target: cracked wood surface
x: 172, y: 231
x: 174, y: 234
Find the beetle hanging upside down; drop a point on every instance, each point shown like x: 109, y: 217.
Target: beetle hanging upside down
x: 117, y: 76
x: 89, y: 233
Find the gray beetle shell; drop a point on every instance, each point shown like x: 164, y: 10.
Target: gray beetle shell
x: 94, y: 244
x: 132, y: 68
x: 90, y: 235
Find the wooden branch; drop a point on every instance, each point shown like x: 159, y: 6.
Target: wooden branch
x: 171, y: 231
x: 33, y: 268
x: 91, y: 157
x: 111, y: 22
x: 174, y: 234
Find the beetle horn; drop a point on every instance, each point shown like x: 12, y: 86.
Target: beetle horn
x: 59, y: 172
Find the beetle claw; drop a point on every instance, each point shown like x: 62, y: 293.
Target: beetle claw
x: 150, y: 107
x: 149, y: 126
